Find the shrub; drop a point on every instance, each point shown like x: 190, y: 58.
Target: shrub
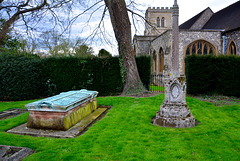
x: 213, y: 74
x: 28, y: 77
x: 73, y: 73
x: 20, y: 77
x: 144, y: 69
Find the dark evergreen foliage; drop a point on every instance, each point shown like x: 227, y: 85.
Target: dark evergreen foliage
x: 213, y: 75
x: 20, y: 77
x: 144, y: 69
x: 25, y: 77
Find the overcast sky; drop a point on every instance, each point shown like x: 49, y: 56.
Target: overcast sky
x: 188, y: 9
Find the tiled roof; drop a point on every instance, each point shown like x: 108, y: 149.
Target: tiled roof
x: 227, y: 18
x: 188, y: 24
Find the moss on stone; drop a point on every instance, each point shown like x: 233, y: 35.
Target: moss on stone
x: 74, y: 117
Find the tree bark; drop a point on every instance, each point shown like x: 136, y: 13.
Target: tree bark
x: 122, y: 29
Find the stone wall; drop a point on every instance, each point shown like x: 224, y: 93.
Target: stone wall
x: 188, y: 36
x: 141, y: 44
x: 164, y: 41
x: 203, y: 19
x: 151, y: 16
x: 235, y: 36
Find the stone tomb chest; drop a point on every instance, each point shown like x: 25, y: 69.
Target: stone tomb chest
x: 62, y: 111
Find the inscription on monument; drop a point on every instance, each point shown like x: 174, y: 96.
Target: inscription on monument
x: 175, y: 92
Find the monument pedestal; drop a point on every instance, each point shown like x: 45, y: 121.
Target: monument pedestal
x: 174, y: 111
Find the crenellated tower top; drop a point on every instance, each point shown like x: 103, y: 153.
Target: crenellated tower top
x: 159, y: 19
x: 159, y: 9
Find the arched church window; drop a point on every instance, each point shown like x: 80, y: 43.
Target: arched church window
x: 200, y: 47
x: 232, y: 49
x: 158, y: 22
x: 188, y: 52
x: 161, y: 60
x: 205, y: 49
x: 193, y: 49
x: 163, y: 22
x: 211, y: 51
x: 154, y: 61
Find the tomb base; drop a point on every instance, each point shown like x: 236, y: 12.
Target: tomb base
x: 174, y: 112
x: 174, y: 115
x: 61, y: 120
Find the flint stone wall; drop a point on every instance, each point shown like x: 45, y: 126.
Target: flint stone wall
x: 235, y: 36
x: 186, y: 37
x: 142, y: 44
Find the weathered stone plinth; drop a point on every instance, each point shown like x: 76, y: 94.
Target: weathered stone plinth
x: 174, y: 115
x: 174, y: 111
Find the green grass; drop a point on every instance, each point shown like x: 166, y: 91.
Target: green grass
x: 126, y: 133
x: 157, y: 88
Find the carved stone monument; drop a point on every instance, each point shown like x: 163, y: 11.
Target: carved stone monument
x: 174, y: 111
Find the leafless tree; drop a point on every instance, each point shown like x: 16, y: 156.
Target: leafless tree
x: 35, y: 10
x: 30, y: 13
x: 122, y: 28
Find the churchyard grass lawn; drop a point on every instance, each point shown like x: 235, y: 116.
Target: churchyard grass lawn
x: 126, y: 133
x: 157, y: 88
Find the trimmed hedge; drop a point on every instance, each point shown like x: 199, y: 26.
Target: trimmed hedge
x: 20, y: 77
x: 144, y: 69
x: 23, y: 77
x: 71, y: 73
x: 213, y: 75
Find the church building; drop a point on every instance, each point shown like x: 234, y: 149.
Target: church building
x: 205, y: 33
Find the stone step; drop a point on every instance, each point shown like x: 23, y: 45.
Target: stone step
x: 74, y: 131
x: 89, y: 119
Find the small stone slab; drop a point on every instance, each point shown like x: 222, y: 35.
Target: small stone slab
x: 11, y: 113
x: 11, y: 153
x: 74, y: 131
x: 89, y: 119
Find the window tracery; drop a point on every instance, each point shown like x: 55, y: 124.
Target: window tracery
x: 200, y: 47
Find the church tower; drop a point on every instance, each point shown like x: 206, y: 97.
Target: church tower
x: 158, y: 20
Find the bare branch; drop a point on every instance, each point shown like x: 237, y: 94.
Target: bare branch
x: 15, y: 17
x: 25, y: 4
x: 94, y: 33
x: 33, y: 9
x: 75, y: 18
x: 143, y: 19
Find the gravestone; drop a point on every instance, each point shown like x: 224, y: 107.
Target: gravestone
x: 13, y: 153
x: 174, y: 112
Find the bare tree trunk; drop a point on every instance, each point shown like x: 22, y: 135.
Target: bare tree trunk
x: 122, y: 29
